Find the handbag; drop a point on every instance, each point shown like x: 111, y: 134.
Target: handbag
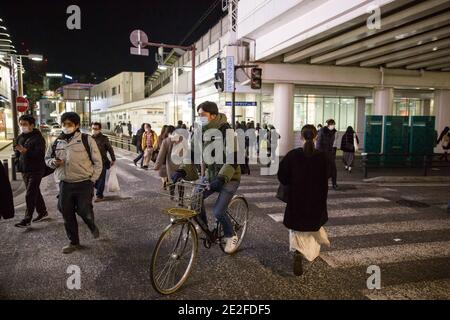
x: 282, y: 193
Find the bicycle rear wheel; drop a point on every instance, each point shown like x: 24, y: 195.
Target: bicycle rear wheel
x: 173, y: 257
x: 238, y: 213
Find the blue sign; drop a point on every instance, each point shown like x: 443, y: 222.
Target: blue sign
x: 229, y: 75
x: 241, y: 104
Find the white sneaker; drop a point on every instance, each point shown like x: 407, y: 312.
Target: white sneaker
x: 231, y: 244
x: 346, y: 168
x: 349, y: 169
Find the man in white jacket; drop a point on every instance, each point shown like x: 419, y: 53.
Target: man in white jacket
x: 78, y: 164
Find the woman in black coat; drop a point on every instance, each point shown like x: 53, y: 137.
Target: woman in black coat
x: 6, y: 195
x: 349, y: 148
x: 305, y: 173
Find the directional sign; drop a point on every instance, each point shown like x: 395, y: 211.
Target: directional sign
x: 137, y: 38
x: 22, y: 104
x: 229, y: 75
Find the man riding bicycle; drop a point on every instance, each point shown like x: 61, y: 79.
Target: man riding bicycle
x: 223, y: 178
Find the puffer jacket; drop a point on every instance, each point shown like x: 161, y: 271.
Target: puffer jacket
x: 325, y: 140
x: 77, y: 166
x: 230, y: 172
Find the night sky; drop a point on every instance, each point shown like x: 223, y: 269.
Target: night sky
x: 102, y: 45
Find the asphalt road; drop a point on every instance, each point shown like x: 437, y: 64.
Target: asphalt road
x: 369, y: 224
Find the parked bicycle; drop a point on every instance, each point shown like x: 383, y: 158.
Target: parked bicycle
x: 176, y: 250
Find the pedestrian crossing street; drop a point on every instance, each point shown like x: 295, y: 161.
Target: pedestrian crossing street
x: 367, y: 227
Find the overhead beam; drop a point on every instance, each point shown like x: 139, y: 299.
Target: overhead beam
x: 439, y: 66
x: 434, y: 46
x: 395, y: 20
x: 429, y: 63
x: 393, y: 36
x: 419, y: 58
x: 397, y: 46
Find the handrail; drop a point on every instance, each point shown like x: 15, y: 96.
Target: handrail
x: 121, y: 142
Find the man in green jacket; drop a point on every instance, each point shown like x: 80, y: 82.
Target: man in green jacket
x: 223, y: 178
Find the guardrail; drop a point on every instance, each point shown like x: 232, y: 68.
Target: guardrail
x: 423, y: 161
x: 121, y: 142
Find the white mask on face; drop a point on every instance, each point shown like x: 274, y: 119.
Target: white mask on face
x: 331, y: 127
x: 25, y: 129
x: 68, y: 130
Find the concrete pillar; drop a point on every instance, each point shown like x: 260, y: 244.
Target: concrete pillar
x: 383, y: 101
x: 442, y: 109
x: 284, y: 116
x: 427, y: 107
x: 360, y: 119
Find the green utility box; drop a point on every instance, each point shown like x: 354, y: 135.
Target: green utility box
x: 396, y: 139
x: 373, y: 136
x: 422, y: 138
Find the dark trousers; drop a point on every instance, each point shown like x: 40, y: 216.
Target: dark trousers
x: 33, y: 197
x: 140, y: 157
x: 100, y: 183
x: 76, y: 198
x: 332, y: 158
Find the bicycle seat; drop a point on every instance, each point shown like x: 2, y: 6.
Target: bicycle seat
x: 181, y: 213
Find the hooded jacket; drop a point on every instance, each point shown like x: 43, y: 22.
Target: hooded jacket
x: 230, y: 172
x: 77, y: 166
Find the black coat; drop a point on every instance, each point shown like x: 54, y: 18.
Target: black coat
x: 6, y: 196
x: 325, y: 139
x: 348, y: 142
x: 104, y: 146
x: 139, y: 134
x: 306, y: 178
x: 33, y: 160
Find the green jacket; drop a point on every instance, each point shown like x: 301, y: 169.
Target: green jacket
x: 228, y: 171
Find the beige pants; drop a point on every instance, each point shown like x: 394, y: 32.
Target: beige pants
x: 147, y: 156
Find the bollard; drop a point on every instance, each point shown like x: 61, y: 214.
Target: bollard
x: 13, y: 168
x: 5, y: 164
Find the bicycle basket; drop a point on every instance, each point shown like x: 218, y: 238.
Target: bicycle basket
x: 188, y: 198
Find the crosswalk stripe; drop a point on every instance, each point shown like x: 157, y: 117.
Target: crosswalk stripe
x: 386, y: 254
x: 360, y: 212
x: 423, y: 290
x: 332, y: 201
x: 392, y: 227
x: 259, y: 187
x: 278, y: 217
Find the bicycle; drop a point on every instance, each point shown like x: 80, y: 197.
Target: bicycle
x: 176, y: 250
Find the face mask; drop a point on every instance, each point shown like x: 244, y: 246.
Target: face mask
x: 203, y: 121
x: 331, y: 127
x: 25, y: 129
x: 95, y: 132
x: 68, y: 130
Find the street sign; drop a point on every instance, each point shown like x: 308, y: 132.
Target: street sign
x: 241, y: 104
x: 22, y: 104
x: 137, y: 38
x: 229, y: 75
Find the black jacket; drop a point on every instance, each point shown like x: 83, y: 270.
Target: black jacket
x: 104, y: 146
x: 33, y: 160
x: 139, y: 134
x: 325, y: 139
x: 306, y: 178
x: 6, y: 196
x: 348, y: 142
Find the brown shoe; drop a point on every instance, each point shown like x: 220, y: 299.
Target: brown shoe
x: 99, y: 199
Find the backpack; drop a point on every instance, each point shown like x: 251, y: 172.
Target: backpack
x: 84, y: 139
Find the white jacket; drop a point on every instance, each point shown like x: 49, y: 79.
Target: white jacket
x: 77, y: 166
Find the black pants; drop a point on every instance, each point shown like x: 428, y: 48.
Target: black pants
x: 76, y: 198
x: 33, y: 196
x: 140, y: 157
x: 332, y: 158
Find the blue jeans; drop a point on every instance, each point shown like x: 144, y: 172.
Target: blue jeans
x: 221, y: 206
x: 100, y: 183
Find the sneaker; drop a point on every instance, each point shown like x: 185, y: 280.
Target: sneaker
x: 135, y: 162
x: 41, y: 217
x: 346, y: 168
x: 350, y: 169
x: 298, y: 264
x: 231, y: 244
x: 96, y: 233
x: 145, y: 167
x: 99, y: 199
x: 23, y: 224
x: 70, y: 248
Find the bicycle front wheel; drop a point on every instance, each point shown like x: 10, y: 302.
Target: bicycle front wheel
x: 173, y: 257
x: 238, y: 213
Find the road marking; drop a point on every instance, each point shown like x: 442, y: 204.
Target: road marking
x: 386, y: 254
x: 424, y: 290
x: 390, y: 227
x: 278, y: 217
x: 259, y: 187
x: 356, y: 200
x: 361, y: 212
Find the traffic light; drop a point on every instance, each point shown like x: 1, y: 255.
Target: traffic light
x: 219, y: 81
x: 256, y: 78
